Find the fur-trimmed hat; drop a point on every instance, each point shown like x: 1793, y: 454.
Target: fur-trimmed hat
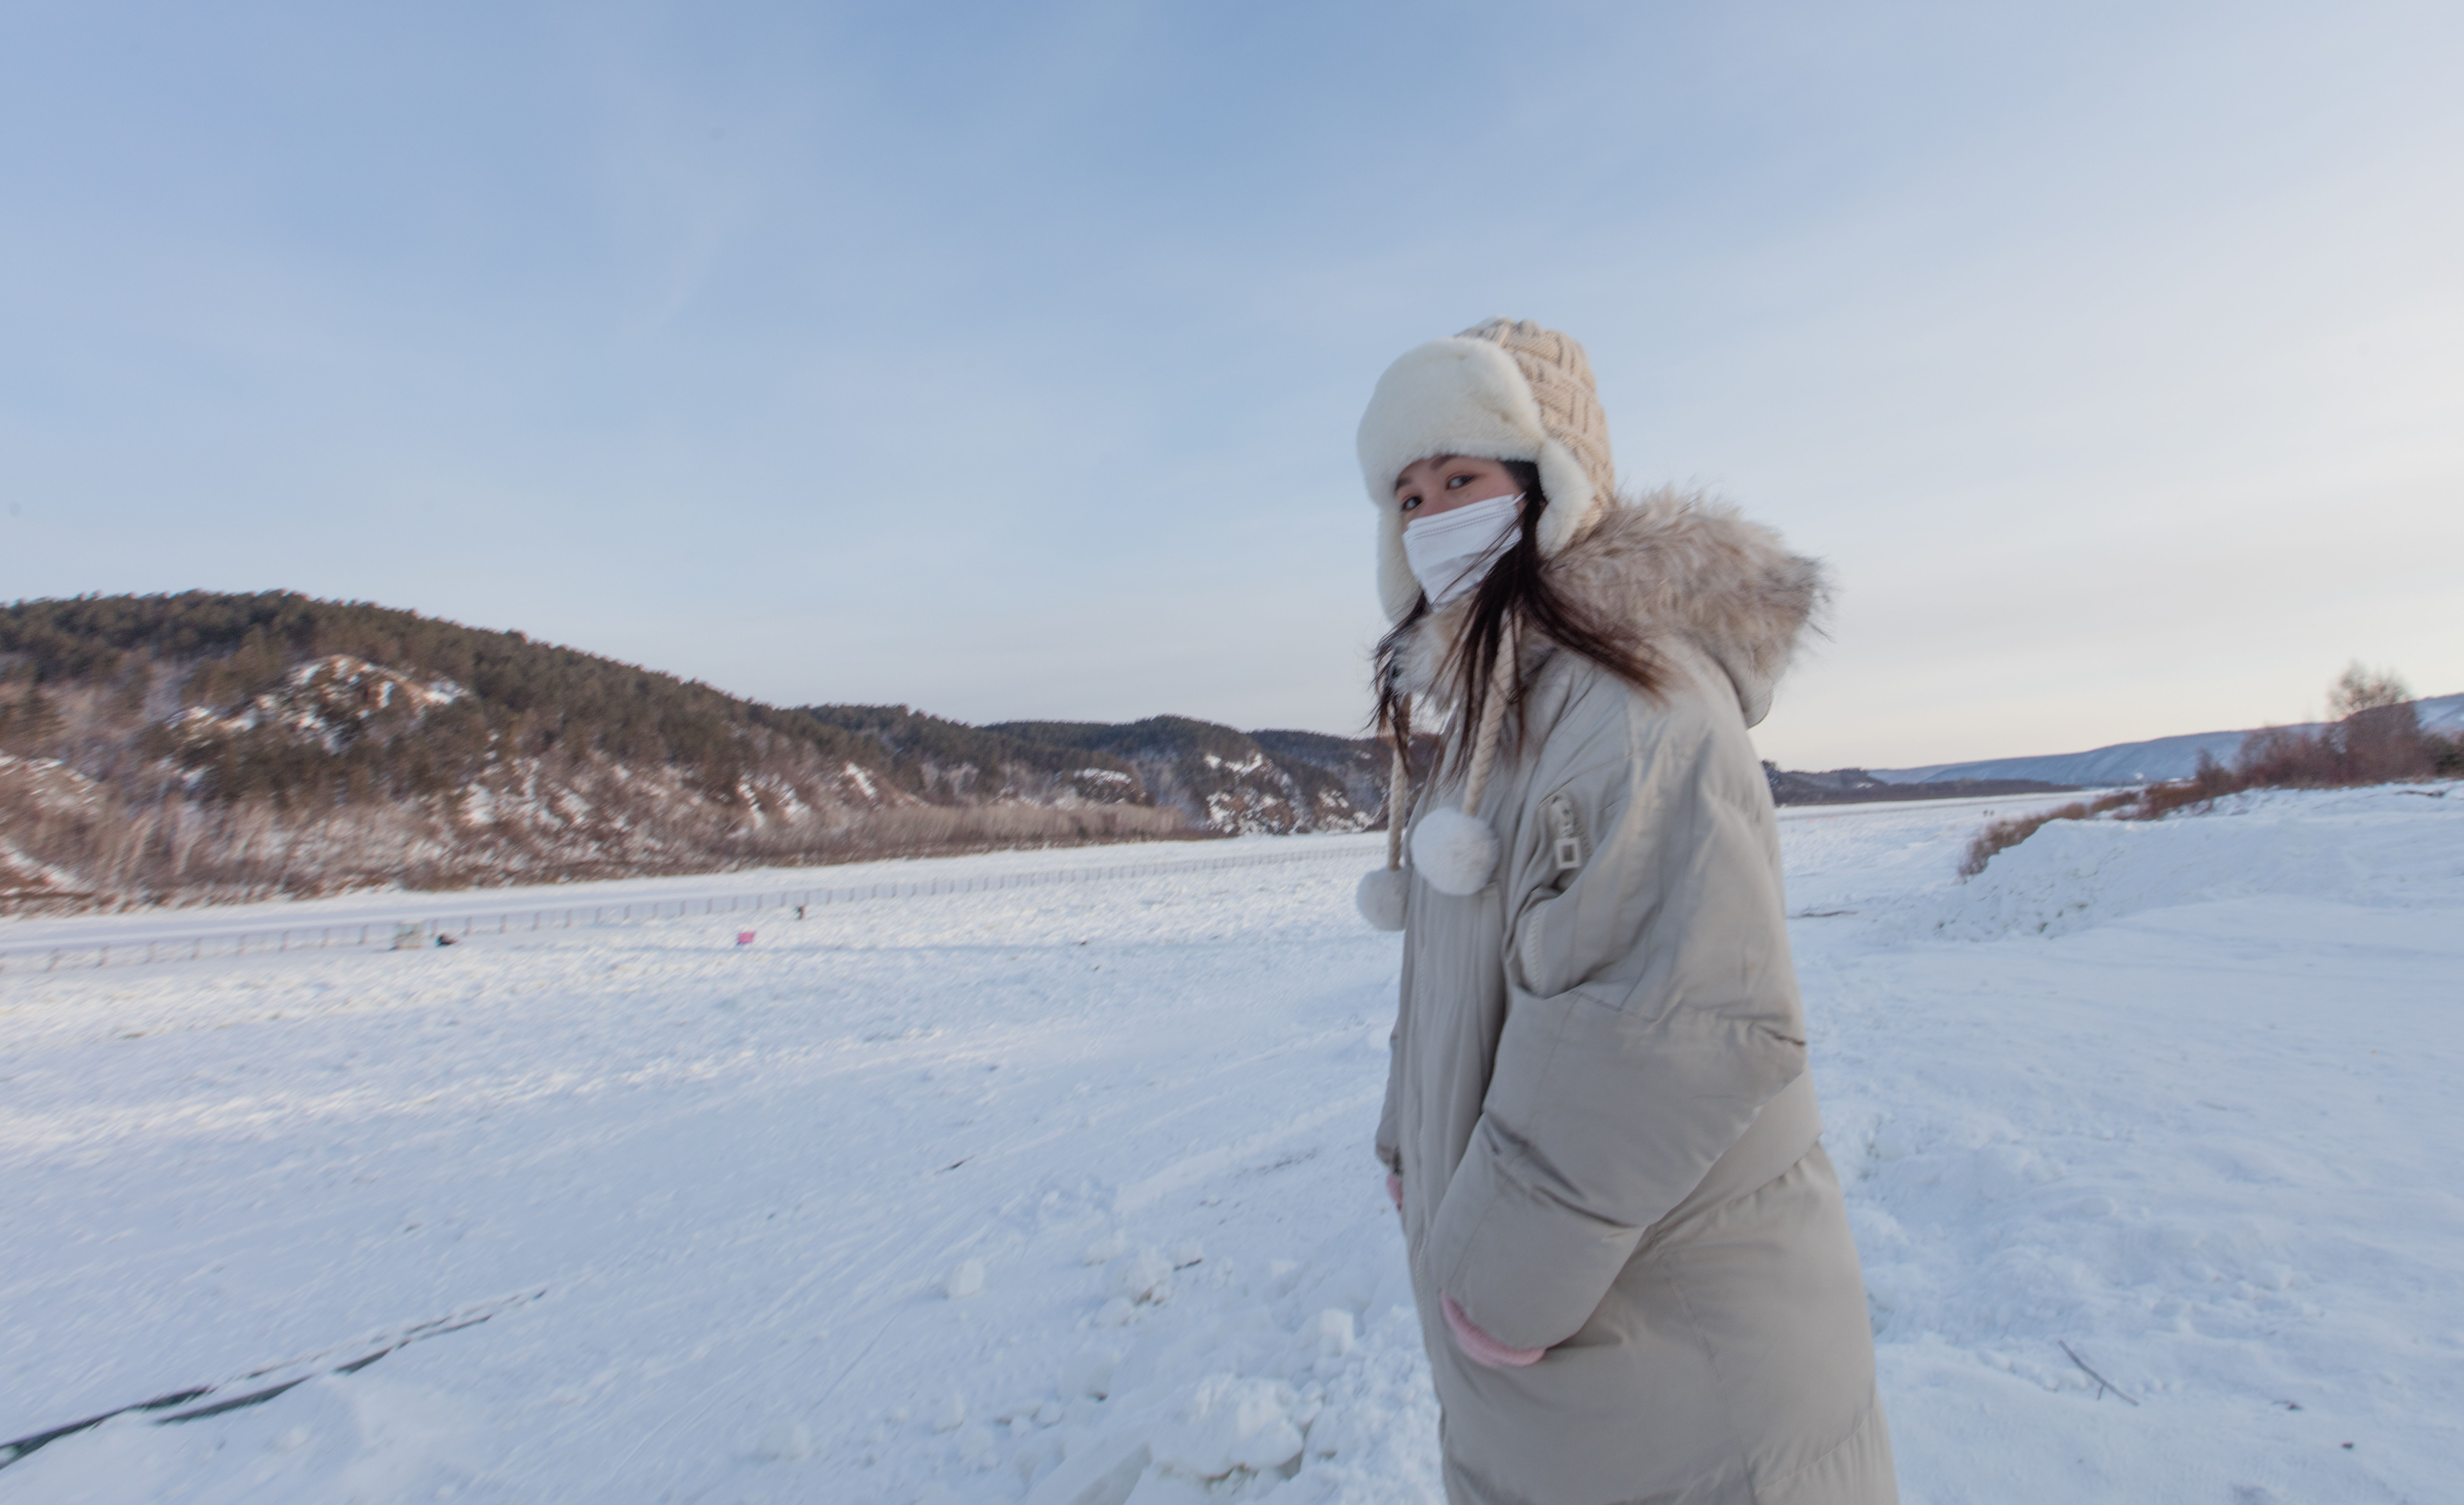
x: 1506, y: 390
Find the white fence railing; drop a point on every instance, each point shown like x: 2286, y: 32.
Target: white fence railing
x: 60, y: 955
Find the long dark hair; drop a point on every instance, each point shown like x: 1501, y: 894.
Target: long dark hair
x: 1517, y: 589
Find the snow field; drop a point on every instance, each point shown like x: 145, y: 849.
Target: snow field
x: 746, y: 1176
x: 1064, y: 1194
x: 26, y: 938
x: 2181, y: 1095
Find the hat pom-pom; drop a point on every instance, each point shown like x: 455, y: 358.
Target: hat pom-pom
x: 1455, y: 852
x: 1381, y: 898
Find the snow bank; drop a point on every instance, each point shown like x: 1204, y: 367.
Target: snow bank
x: 2171, y: 1102
x: 2374, y: 846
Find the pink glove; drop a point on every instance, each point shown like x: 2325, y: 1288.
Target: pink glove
x: 1394, y: 1190
x: 1477, y: 1346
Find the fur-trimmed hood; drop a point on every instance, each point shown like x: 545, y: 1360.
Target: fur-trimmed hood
x: 1682, y: 567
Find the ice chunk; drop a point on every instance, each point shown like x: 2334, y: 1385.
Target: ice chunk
x: 1110, y: 1247
x: 953, y: 1414
x: 1329, y: 1333
x: 967, y: 1280
x: 1142, y: 1277
x: 976, y: 1446
x: 1327, y: 1433
x: 1165, y: 1489
x: 1230, y: 1423
x: 1116, y: 1312
x: 1039, y: 1456
x: 787, y: 1440
x: 1187, y: 1252
x: 1099, y: 1470
x: 1089, y: 1372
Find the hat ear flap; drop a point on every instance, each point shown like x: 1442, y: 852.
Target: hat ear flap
x: 1398, y: 590
x: 1572, y: 501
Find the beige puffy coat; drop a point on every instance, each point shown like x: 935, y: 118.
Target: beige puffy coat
x: 1598, y: 1101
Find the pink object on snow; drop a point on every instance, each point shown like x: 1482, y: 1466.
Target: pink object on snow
x: 1394, y: 1190
x: 1477, y: 1346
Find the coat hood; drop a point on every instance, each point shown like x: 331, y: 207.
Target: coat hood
x: 1680, y: 567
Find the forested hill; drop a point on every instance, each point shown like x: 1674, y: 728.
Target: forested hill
x: 203, y: 745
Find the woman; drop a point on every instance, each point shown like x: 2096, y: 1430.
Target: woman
x: 1633, y: 1266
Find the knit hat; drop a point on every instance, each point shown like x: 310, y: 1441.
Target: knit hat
x: 1506, y: 390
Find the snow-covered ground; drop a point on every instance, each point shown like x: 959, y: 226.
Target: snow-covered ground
x: 31, y: 934
x: 1036, y: 1193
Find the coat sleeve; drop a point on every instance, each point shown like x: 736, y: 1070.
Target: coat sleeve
x: 1389, y: 1143
x: 1651, y: 1012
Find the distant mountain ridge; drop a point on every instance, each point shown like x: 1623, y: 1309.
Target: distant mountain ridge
x: 205, y: 745
x: 2150, y: 762
x: 1857, y: 787
x: 1271, y: 780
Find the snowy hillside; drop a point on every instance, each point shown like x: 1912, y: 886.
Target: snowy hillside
x: 201, y: 747
x: 1048, y: 1193
x: 2139, y: 762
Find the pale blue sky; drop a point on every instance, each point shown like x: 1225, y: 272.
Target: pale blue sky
x: 1003, y: 359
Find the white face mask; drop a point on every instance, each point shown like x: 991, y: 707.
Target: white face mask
x: 1452, y: 551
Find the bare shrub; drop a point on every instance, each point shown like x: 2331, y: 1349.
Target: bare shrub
x: 915, y: 831
x: 580, y: 820
x: 2446, y: 756
x: 2210, y: 781
x: 2359, y: 689
x: 2377, y: 730
x: 2004, y: 834
x: 2287, y: 757
x: 2375, y: 737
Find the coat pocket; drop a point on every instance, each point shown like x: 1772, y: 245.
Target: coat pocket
x: 1567, y: 848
